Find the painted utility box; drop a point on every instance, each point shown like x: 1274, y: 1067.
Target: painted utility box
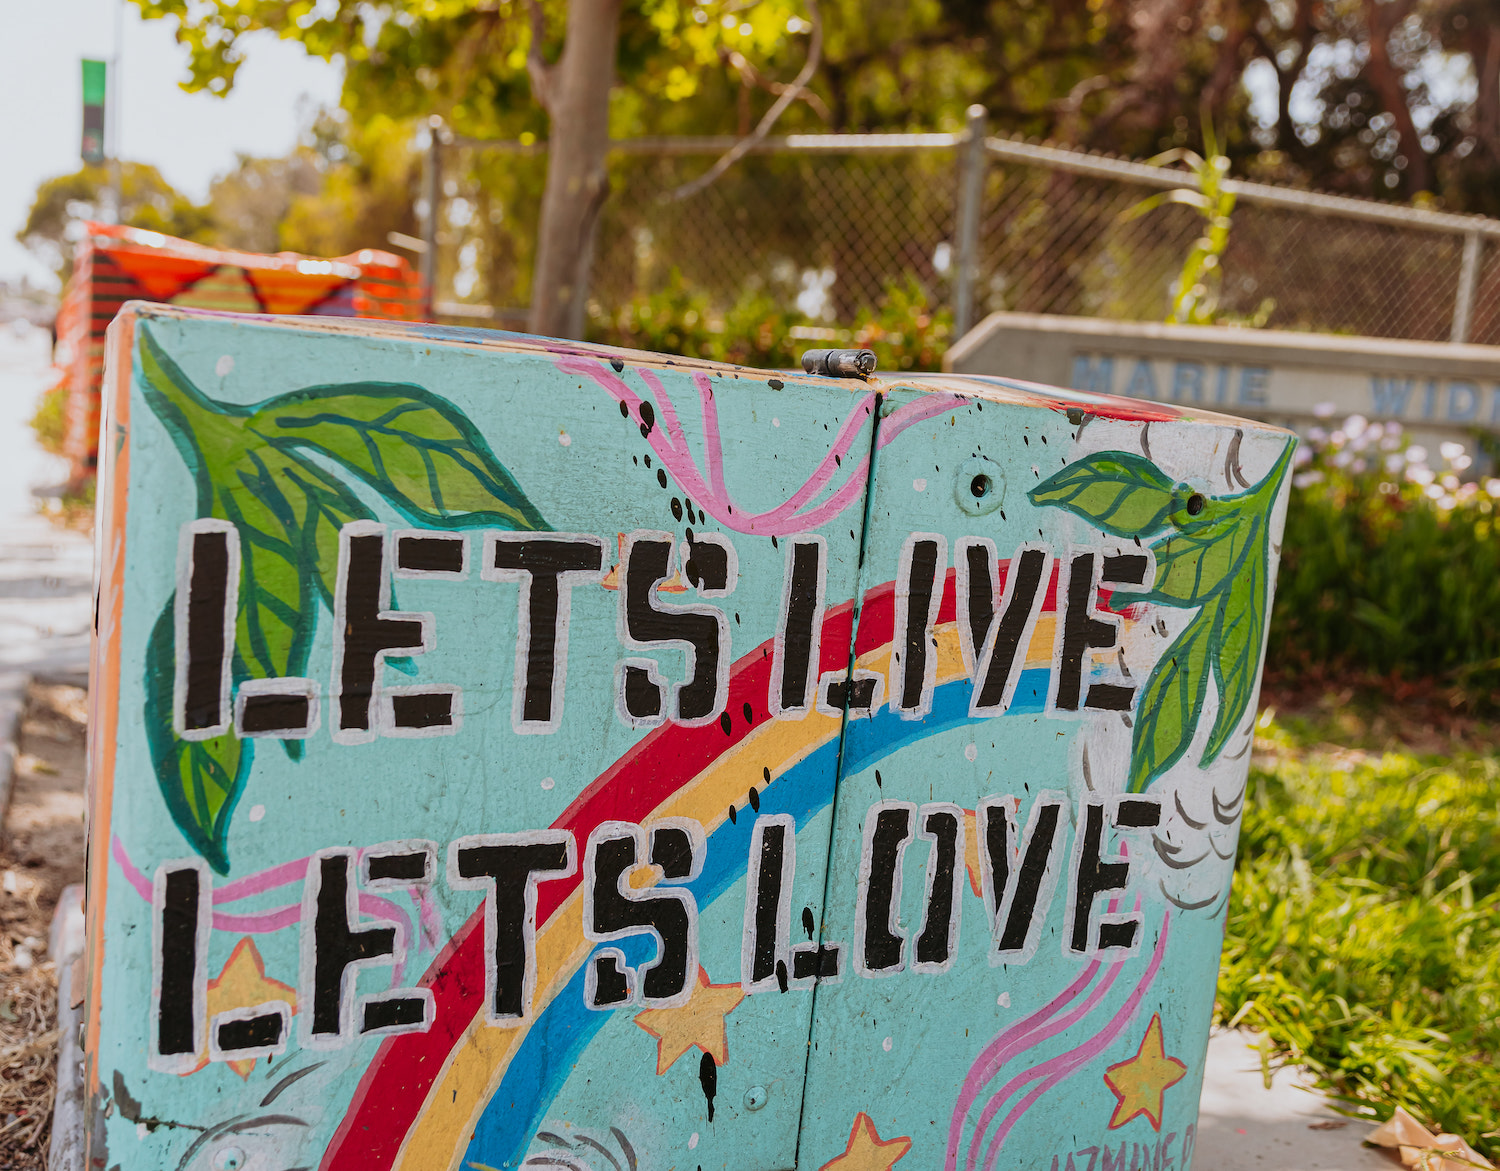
x: 513, y: 753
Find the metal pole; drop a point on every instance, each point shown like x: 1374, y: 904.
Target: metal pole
x: 431, y: 195
x: 116, y: 211
x: 970, y: 196
x: 1468, y: 280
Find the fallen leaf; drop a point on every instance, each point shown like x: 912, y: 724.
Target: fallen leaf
x: 1422, y: 1149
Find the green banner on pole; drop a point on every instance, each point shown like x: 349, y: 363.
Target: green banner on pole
x: 95, y: 85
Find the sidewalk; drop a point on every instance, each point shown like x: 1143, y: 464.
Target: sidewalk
x: 1242, y: 1126
x: 46, y: 573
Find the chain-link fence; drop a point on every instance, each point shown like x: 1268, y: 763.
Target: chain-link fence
x: 829, y: 223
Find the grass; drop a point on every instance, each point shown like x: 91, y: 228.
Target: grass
x: 1363, y: 935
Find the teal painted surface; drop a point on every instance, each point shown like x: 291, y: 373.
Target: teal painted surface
x: 322, y: 467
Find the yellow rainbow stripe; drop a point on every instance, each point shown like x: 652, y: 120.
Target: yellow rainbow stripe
x: 480, y: 1058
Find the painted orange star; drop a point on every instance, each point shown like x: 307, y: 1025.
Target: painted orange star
x: 699, y: 1022
x: 243, y: 984
x: 866, y: 1151
x: 1140, y: 1081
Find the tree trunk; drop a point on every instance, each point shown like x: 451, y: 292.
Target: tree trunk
x: 577, y: 102
x: 1386, y: 82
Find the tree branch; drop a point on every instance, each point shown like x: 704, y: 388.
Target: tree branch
x: 537, y: 68
x: 788, y: 96
x: 751, y: 76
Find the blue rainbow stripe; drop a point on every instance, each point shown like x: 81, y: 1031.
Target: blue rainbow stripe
x: 552, y: 1047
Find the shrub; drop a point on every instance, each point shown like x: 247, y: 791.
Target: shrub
x: 1390, y: 565
x: 49, y: 423
x: 904, y: 328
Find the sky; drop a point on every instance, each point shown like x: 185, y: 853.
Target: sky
x: 191, y: 138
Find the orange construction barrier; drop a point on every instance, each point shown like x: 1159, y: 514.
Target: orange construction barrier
x: 115, y: 264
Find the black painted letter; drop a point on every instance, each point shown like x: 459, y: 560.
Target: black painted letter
x: 181, y: 899
x: 794, y: 671
x: 1083, y: 630
x: 1018, y: 880
x: 701, y: 631
x: 919, y: 591
x: 208, y: 582
x: 879, y: 946
x: 547, y: 566
x: 1003, y: 653
x: 611, y: 911
x: 507, y: 867
x: 1094, y: 875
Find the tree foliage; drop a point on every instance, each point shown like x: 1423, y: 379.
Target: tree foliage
x: 146, y: 200
x: 1388, y: 98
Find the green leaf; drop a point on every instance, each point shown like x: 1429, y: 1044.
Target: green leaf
x: 417, y: 450
x: 1168, y: 710
x: 1121, y: 493
x: 251, y: 466
x: 330, y: 507
x: 200, y: 780
x: 1193, y: 565
x: 1242, y: 628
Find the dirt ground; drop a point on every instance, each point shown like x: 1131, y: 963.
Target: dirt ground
x: 41, y: 851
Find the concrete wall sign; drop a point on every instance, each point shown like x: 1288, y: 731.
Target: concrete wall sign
x: 1268, y: 374
x: 511, y: 753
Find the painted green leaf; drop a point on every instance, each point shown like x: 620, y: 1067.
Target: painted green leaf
x: 330, y: 506
x: 1192, y: 565
x: 1121, y: 493
x: 1242, y: 628
x: 252, y: 466
x: 200, y: 780
x: 414, y: 448
x: 1169, y: 705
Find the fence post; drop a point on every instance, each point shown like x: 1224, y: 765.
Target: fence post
x: 1468, y: 279
x: 432, y: 184
x: 970, y: 196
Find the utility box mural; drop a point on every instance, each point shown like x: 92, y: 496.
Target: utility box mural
x: 515, y: 753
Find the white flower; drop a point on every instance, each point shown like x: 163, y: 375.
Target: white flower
x: 1307, y: 479
x: 1416, y: 454
x: 1435, y: 492
x: 1394, y: 463
x: 1451, y: 450
x: 1420, y: 475
x: 1492, y: 487
x: 1461, y: 462
x: 1354, y: 426
x: 1324, y: 410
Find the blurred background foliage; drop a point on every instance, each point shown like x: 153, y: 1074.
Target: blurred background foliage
x: 1396, y: 99
x: 1390, y: 566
